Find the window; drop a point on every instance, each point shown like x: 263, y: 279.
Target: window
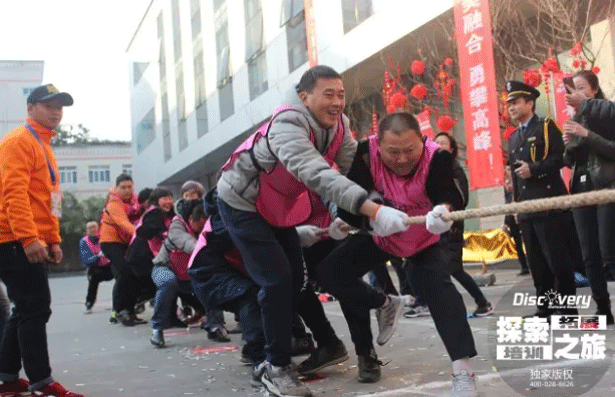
x: 177, y: 37
x: 127, y: 169
x: 162, y: 62
x: 145, y: 132
x: 180, y: 93
x: 227, y: 106
x: 195, y: 18
x: 199, y: 76
x: 254, y: 28
x: 138, y: 68
x: 99, y: 173
x: 160, y: 26
x: 354, y: 12
x: 201, y: 120
x: 68, y: 175
x: 257, y: 76
x: 166, y: 127
x: 218, y: 3
x: 296, y: 38
x: 290, y: 10
x: 222, y: 51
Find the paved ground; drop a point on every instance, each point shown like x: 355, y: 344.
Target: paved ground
x: 98, y: 359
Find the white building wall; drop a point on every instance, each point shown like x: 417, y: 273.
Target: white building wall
x: 392, y: 20
x: 114, y: 156
x: 17, y: 79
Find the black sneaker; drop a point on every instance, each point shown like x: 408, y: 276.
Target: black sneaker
x: 483, y: 310
x: 302, y: 345
x: 125, y: 318
x: 324, y: 357
x: 369, y: 368
x: 283, y: 381
x: 218, y: 334
x: 157, y: 338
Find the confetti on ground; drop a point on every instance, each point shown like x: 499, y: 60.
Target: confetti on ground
x: 214, y: 349
x: 175, y: 333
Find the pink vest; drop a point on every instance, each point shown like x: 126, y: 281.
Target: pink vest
x: 133, y: 212
x: 407, y: 194
x: 283, y: 200
x: 95, y: 248
x: 155, y: 243
x: 179, y: 259
x: 233, y: 257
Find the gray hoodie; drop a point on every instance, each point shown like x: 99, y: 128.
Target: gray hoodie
x: 290, y: 143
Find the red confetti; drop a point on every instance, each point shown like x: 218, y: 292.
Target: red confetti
x: 214, y: 349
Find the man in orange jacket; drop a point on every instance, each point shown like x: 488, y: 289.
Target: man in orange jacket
x: 30, y: 205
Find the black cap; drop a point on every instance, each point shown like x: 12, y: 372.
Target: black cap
x: 48, y: 92
x: 516, y: 89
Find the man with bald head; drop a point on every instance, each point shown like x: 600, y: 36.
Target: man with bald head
x: 93, y: 258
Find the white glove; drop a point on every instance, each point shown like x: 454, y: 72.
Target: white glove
x: 308, y: 235
x: 388, y: 221
x: 434, y: 222
x: 338, y: 229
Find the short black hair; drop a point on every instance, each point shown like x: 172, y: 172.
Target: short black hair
x: 398, y: 123
x: 452, y: 141
x: 310, y: 77
x: 144, y: 195
x: 158, y: 193
x: 191, y: 209
x: 121, y: 178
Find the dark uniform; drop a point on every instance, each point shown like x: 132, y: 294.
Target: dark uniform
x: 545, y: 233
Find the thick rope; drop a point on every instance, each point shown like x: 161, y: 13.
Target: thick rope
x: 596, y: 197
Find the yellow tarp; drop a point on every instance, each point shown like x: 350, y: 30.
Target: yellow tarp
x: 488, y: 246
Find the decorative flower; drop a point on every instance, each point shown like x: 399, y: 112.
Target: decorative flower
x: 398, y: 100
x: 508, y: 132
x: 595, y: 70
x: 418, y: 91
x: 417, y: 67
x: 445, y: 123
x: 551, y: 65
x: 583, y: 63
x: 448, y: 62
x: 532, y: 77
x: 576, y: 63
x: 391, y: 109
x: 574, y: 51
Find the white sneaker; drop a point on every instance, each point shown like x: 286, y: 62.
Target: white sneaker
x: 417, y: 311
x: 388, y: 316
x: 464, y: 384
x: 284, y: 381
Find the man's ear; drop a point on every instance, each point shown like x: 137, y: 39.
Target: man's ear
x: 303, y: 96
x: 30, y: 106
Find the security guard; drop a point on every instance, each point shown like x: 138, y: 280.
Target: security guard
x: 536, y: 156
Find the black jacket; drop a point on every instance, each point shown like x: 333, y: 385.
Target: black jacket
x: 440, y: 184
x: 543, y: 150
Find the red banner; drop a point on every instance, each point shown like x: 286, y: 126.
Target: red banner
x: 425, y: 124
x: 478, y: 93
x: 562, y: 112
x: 310, y: 30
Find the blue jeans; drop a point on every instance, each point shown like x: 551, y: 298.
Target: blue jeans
x: 274, y: 260
x: 166, y: 295
x: 25, y: 336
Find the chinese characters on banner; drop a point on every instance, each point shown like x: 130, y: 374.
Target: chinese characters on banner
x: 564, y: 337
x: 310, y: 30
x: 478, y: 92
x: 562, y: 112
x: 425, y: 124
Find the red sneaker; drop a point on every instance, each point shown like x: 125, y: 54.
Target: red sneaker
x: 9, y: 389
x: 57, y: 390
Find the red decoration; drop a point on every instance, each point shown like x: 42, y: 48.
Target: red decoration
x: 576, y: 63
x: 448, y: 62
x: 532, y: 77
x: 418, y: 91
x: 551, y: 65
x: 427, y: 109
x: 576, y: 50
x: 595, y: 70
x: 583, y: 63
x: 417, y: 67
x: 445, y: 123
x: 374, y: 128
x: 398, y: 100
x: 508, y: 132
x: 391, y: 109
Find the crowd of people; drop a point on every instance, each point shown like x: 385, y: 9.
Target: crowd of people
x: 301, y: 207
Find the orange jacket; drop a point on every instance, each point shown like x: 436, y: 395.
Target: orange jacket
x: 117, y: 225
x: 25, y: 187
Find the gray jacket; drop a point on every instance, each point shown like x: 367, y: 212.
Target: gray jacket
x: 178, y: 237
x: 290, y: 143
